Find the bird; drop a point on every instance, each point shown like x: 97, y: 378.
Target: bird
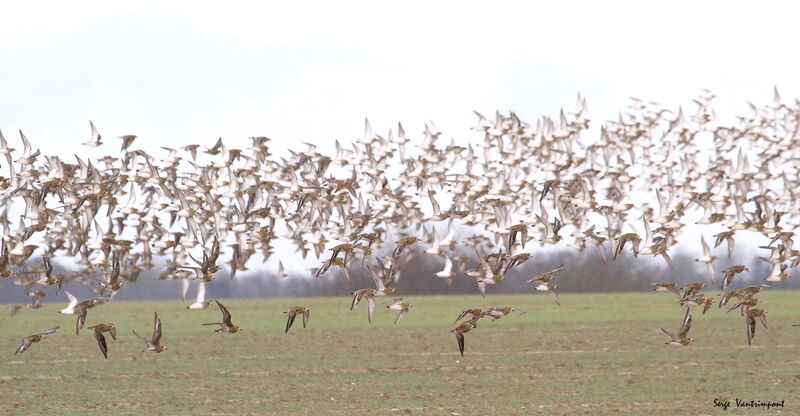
x: 399, y: 305
x: 544, y: 278
x: 226, y: 326
x: 154, y: 343
x: 293, y: 312
x: 29, y: 340
x: 381, y: 290
x: 692, y: 289
x: 707, y: 258
x: 461, y: 330
x: 94, y: 141
x: 667, y: 287
x: 127, y: 140
x: 725, y: 297
x: 551, y: 289
x: 112, y: 283
x: 447, y: 273
x: 730, y: 272
x: 486, y: 275
x: 473, y: 313
x: 681, y: 338
x: 494, y: 313
x: 73, y: 301
x: 99, y: 329
x: 82, y: 309
x: 281, y: 271
x: 750, y: 321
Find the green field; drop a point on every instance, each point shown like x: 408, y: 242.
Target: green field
x: 597, y: 354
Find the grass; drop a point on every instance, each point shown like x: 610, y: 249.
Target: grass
x: 599, y: 354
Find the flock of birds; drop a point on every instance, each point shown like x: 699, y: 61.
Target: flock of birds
x: 374, y: 203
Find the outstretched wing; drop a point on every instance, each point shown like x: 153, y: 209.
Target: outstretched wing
x: 463, y: 314
x: 460, y: 339
x: 400, y: 316
x: 687, y: 323
x: 554, y: 295
x: 290, y: 321
x: 101, y: 341
x: 156, y: 330
x: 80, y: 321
x: 26, y: 343
x: 49, y: 331
x: 356, y: 299
x: 482, y: 288
x: 226, y: 316
x: 556, y: 270
x: 378, y: 281
x: 72, y: 300
x: 201, y: 292
x: 669, y: 334
x: 370, y: 308
x: 306, y: 315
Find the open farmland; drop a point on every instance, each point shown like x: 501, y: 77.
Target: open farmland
x: 598, y: 354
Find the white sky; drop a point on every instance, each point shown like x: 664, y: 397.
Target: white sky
x: 185, y: 72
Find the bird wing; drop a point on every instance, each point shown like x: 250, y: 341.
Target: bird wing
x: 95, y: 134
x: 101, y: 341
x: 763, y: 319
x: 356, y: 299
x: 80, y: 321
x: 554, y: 295
x: 184, y: 288
x: 710, y: 271
x: 434, y: 204
x: 463, y: 314
x: 226, y: 316
x: 370, y: 308
x: 49, y: 331
x: 400, y: 316
x: 670, y: 334
x: 26, y: 343
x: 460, y: 339
x: 306, y: 315
x: 156, y: 330
x: 448, y: 264
x: 147, y: 342
x: 375, y: 278
x: 290, y: 320
x: 706, y: 249
x: 556, y: 270
x: 687, y: 323
x: 482, y: 288
x: 72, y: 300
x: 201, y: 291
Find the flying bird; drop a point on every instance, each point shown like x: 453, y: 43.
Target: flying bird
x: 226, y: 326
x: 99, y: 329
x: 29, y: 340
x: 293, y: 312
x: 154, y: 343
x: 681, y: 338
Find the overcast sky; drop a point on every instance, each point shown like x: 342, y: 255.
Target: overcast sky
x: 183, y: 73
